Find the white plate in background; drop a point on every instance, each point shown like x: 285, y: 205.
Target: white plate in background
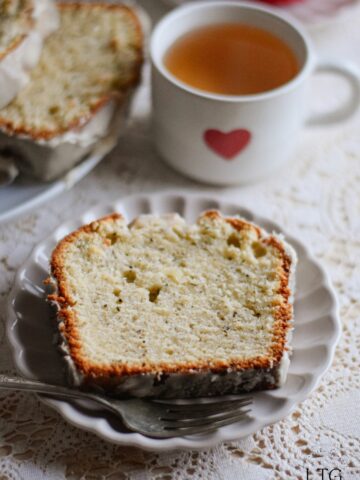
x: 31, y: 333
x: 25, y: 194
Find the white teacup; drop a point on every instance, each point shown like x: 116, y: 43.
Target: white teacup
x: 231, y: 139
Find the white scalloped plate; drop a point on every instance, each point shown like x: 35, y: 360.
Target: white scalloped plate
x: 317, y: 328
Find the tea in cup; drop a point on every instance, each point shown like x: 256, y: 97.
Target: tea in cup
x: 231, y: 59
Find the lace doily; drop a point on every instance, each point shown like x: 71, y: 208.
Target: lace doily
x: 316, y: 197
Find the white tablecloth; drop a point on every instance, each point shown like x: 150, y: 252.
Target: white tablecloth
x: 316, y: 197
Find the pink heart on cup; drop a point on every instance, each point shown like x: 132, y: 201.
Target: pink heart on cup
x: 227, y: 144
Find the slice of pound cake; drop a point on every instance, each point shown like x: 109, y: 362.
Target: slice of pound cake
x: 163, y: 308
x: 79, y: 90
x: 24, y: 24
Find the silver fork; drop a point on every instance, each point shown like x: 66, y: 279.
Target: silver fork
x: 154, y: 418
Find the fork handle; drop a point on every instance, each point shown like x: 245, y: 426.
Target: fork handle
x: 17, y: 383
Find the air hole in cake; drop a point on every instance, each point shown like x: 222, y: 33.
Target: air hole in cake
x: 54, y: 109
x: 234, y: 240
x: 130, y: 276
x: 154, y: 293
x: 258, y: 249
x: 117, y: 293
x: 112, y: 237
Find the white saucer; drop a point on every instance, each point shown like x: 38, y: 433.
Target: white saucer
x: 317, y: 328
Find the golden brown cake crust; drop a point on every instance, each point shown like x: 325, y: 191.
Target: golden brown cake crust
x: 8, y: 126
x: 104, y: 374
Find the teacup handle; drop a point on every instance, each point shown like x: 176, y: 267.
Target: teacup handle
x: 351, y: 73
